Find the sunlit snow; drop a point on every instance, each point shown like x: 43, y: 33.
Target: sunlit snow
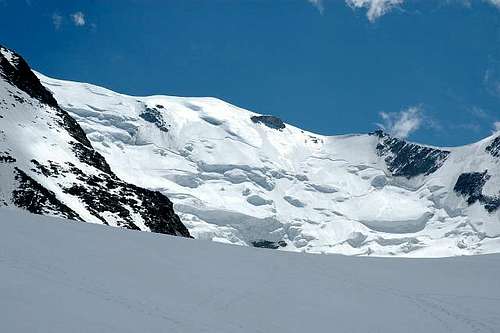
x: 239, y: 181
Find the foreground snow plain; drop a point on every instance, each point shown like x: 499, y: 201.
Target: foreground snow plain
x: 63, y: 276
x: 238, y: 181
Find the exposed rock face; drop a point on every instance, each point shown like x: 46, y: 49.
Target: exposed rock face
x: 153, y: 116
x: 64, y: 176
x: 105, y: 193
x: 6, y: 158
x: 36, y: 199
x: 89, y: 156
x: 18, y: 73
x: 270, y: 121
x: 265, y: 244
x: 407, y: 159
x: 471, y: 185
x: 494, y: 147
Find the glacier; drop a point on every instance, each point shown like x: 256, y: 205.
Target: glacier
x: 239, y: 177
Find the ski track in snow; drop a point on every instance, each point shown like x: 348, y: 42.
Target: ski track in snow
x: 60, y: 276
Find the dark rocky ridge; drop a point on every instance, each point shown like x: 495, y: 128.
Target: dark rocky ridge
x: 91, y: 157
x: 101, y: 192
x: 153, y: 115
x: 6, y: 158
x: 470, y: 185
x: 36, y: 199
x: 408, y: 159
x: 265, y: 244
x: 270, y: 121
x: 494, y: 147
x: 106, y: 193
x: 23, y: 78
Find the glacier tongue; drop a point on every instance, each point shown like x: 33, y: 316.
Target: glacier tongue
x: 238, y: 177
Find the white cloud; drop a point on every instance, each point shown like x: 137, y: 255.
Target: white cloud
x: 496, y: 125
x: 57, y: 20
x: 318, y: 4
x: 402, y: 124
x: 78, y: 19
x: 375, y: 8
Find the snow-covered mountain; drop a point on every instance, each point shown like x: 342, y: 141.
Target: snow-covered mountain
x: 48, y: 166
x: 239, y: 177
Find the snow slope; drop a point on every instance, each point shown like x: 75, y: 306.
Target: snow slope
x: 58, y: 276
x: 238, y: 177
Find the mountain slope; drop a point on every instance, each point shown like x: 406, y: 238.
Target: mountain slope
x: 48, y: 166
x: 239, y: 177
x: 60, y: 277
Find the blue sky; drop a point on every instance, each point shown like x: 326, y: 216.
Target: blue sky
x: 427, y: 70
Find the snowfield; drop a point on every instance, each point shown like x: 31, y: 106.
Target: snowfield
x: 238, y: 177
x: 64, y: 276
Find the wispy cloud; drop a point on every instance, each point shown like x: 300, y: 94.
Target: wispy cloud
x: 466, y: 126
x: 375, y: 8
x: 478, y: 112
x: 496, y: 125
x: 479, y: 120
x: 78, y: 19
x: 57, y: 20
x: 318, y: 4
x: 495, y: 3
x: 403, y: 123
x: 492, y: 82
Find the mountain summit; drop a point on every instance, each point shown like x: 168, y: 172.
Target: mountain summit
x: 239, y: 177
